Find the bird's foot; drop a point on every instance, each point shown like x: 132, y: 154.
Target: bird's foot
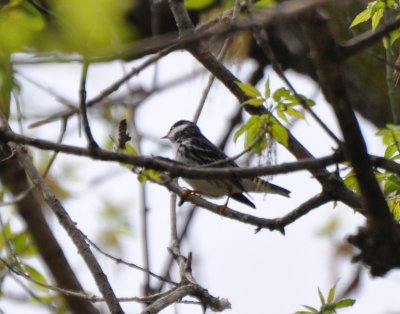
x: 221, y: 208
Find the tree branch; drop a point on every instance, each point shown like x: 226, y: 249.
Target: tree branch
x: 327, y: 58
x: 70, y: 227
x: 260, y: 223
x: 174, y: 168
x: 83, y: 108
x: 364, y: 40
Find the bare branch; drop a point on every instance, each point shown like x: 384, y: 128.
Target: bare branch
x: 175, y: 168
x: 260, y: 223
x: 70, y: 228
x: 215, y: 304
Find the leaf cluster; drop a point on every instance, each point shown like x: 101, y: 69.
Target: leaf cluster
x: 328, y: 306
x: 260, y: 128
x: 374, y: 13
x: 389, y: 181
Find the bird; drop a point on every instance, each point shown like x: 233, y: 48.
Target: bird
x: 192, y: 148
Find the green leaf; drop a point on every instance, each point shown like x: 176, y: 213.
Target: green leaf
x: 130, y: 150
x: 376, y: 18
x: 344, y: 303
x: 248, y: 89
x: 147, y: 174
x: 280, y: 93
x: 251, y: 135
x: 361, y: 17
x: 295, y: 113
x: 392, y: 184
x: 20, y: 242
x: 245, y: 127
x: 376, y: 5
x: 385, y: 42
x: 280, y: 134
x: 281, y: 114
x: 390, y: 150
x: 311, y: 309
x: 141, y: 178
x: 267, y: 89
x: 321, y: 297
x: 257, y: 102
x: 394, y: 206
x: 395, y: 35
x: 153, y: 175
x: 331, y: 294
x: 35, y: 274
x: 309, y: 102
x: 351, y: 182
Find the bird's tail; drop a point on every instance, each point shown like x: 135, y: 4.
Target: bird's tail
x: 261, y: 186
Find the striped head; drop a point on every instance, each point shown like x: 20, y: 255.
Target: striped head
x: 182, y: 130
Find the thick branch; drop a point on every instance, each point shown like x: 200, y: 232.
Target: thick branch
x: 327, y: 58
x: 70, y: 227
x: 13, y: 176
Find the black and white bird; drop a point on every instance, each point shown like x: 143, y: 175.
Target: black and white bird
x: 192, y: 148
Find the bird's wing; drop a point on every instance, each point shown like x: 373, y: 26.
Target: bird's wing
x: 207, y: 153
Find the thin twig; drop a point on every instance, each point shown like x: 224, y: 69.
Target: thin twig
x: 61, y: 99
x: 108, y: 91
x: 54, y: 155
x: 121, y: 261
x: 17, y: 199
x: 187, y: 222
x: 32, y: 294
x: 82, y: 295
x: 83, y: 108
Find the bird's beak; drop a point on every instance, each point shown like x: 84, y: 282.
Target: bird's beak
x: 164, y: 137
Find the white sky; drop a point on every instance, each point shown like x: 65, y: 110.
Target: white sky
x: 259, y: 273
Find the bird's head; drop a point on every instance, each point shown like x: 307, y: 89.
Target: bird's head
x: 181, y: 130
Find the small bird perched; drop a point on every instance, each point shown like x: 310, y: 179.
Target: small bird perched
x: 192, y: 148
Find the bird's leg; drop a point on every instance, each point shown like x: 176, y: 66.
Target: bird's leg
x: 185, y: 193
x: 221, y: 208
